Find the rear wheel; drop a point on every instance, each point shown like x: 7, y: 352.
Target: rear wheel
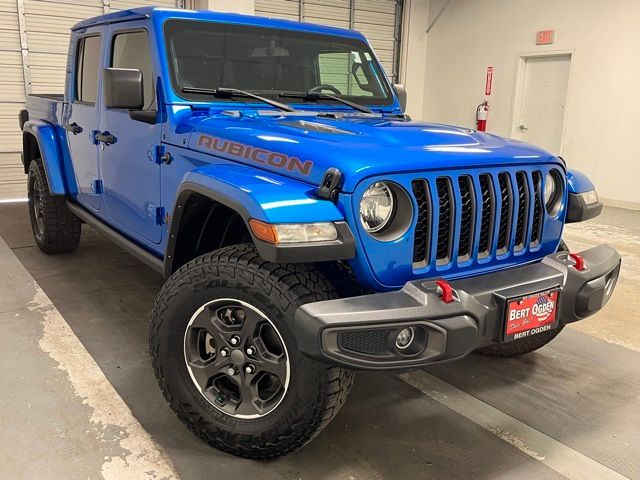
x: 226, y: 358
x: 524, y: 345
x: 55, y: 228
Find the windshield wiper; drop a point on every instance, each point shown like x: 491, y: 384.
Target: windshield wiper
x: 222, y: 92
x: 324, y: 96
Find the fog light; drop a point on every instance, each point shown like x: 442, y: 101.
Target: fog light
x: 405, y: 338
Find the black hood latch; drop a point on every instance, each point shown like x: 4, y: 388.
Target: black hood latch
x: 330, y: 186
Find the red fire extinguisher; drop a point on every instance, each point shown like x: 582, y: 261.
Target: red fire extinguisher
x: 481, y: 116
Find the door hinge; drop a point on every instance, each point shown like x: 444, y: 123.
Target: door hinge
x: 96, y: 186
x: 160, y: 215
x: 158, y: 154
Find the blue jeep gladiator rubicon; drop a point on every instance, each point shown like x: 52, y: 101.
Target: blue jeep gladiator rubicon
x: 305, y: 226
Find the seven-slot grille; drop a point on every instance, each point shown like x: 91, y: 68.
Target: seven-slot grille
x: 461, y: 213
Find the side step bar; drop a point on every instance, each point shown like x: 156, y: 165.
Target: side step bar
x: 116, y: 237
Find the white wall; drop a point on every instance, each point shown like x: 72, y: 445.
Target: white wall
x: 603, y: 105
x: 413, y: 54
x: 231, y: 6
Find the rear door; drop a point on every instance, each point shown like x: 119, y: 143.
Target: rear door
x: 84, y: 116
x: 129, y: 169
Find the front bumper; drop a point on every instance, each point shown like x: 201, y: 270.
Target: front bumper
x: 360, y: 332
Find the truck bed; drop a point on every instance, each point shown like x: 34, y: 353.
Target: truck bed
x: 47, y: 107
x: 56, y: 97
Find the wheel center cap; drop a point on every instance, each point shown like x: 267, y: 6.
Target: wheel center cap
x: 237, y: 357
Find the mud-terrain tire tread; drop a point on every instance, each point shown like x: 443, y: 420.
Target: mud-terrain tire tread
x: 295, y: 284
x: 62, y: 228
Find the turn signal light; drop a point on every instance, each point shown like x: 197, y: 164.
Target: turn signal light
x: 294, y: 232
x: 264, y: 231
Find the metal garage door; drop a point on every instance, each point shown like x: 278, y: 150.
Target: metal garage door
x: 379, y: 20
x: 34, y: 39
x: 11, y: 101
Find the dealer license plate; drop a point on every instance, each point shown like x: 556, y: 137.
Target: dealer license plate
x: 531, y: 314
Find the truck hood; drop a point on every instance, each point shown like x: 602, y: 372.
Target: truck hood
x: 304, y: 145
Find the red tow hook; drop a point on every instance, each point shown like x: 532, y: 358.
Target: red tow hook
x: 445, y: 290
x: 579, y: 265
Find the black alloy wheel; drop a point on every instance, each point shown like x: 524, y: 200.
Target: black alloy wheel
x: 237, y: 358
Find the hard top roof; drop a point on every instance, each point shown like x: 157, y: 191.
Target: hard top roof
x: 207, y: 15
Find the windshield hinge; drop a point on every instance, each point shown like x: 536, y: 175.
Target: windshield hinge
x: 330, y: 185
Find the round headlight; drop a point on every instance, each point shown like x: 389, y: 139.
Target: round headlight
x: 376, y: 207
x: 553, y: 190
x: 550, y: 188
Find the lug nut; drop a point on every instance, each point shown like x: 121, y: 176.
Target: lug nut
x: 235, y: 340
x: 224, y: 352
x: 251, y: 350
x: 231, y: 371
x: 249, y: 368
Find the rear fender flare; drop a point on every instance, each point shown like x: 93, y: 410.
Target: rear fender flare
x: 50, y: 154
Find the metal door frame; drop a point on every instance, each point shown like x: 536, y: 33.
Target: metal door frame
x: 518, y: 88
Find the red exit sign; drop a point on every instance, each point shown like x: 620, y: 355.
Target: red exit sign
x: 545, y: 37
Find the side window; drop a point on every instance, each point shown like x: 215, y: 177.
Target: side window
x: 87, y: 66
x: 131, y: 50
x: 337, y: 69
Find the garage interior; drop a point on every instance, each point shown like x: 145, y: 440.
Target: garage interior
x: 78, y: 398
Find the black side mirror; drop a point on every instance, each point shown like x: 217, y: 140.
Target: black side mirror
x: 401, y: 92
x: 122, y: 88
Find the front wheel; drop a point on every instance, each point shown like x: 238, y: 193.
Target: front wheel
x: 226, y: 358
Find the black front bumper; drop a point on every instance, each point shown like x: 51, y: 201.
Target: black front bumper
x: 360, y: 332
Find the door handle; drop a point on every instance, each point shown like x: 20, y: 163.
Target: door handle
x: 522, y: 128
x: 73, y: 128
x: 105, y: 137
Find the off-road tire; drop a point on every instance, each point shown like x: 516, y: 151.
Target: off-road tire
x: 57, y: 230
x: 316, y: 391
x: 523, y: 345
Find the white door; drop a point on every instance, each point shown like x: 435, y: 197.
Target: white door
x: 539, y: 117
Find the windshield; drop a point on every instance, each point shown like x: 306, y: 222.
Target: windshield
x: 271, y: 61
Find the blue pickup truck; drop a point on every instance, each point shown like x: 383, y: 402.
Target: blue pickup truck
x: 306, y: 227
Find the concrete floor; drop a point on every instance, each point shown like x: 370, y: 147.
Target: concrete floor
x: 570, y: 410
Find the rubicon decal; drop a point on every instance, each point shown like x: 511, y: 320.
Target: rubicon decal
x: 532, y: 314
x: 258, y: 155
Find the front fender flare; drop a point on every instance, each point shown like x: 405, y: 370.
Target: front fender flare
x: 50, y: 154
x: 577, y: 209
x: 256, y: 194
x: 578, y: 182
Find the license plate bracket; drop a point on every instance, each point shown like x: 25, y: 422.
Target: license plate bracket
x: 531, y: 314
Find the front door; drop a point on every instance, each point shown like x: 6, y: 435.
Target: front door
x: 539, y: 119
x: 129, y: 170
x: 83, y: 117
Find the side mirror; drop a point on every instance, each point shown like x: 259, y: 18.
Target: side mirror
x: 401, y: 92
x: 122, y: 88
